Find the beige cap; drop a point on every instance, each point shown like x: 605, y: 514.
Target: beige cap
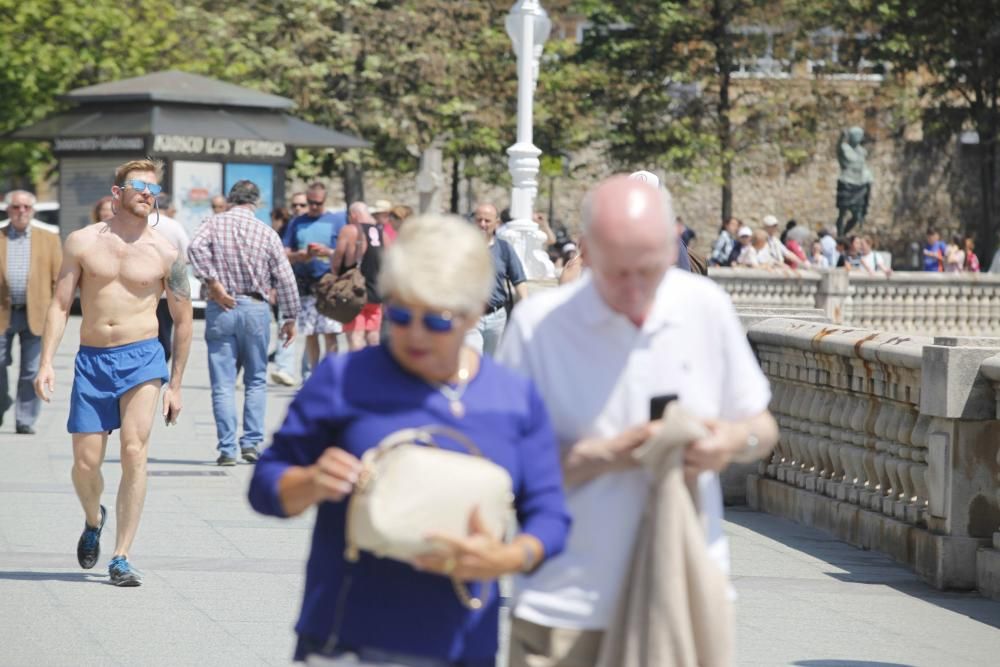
x: 381, y: 206
x: 770, y: 221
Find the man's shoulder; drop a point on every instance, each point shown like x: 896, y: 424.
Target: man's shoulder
x: 684, y: 287
x: 562, y: 301
x: 45, y: 230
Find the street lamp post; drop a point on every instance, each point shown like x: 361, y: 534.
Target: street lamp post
x: 528, y: 26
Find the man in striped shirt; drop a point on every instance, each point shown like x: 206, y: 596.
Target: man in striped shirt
x: 239, y: 259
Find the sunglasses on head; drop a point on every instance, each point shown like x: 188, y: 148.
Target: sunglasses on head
x: 139, y: 186
x: 434, y: 322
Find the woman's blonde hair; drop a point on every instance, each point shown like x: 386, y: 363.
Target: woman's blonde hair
x: 439, y: 261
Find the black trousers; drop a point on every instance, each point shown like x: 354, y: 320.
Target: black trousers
x: 166, y: 327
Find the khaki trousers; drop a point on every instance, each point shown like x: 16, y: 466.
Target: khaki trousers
x: 533, y: 645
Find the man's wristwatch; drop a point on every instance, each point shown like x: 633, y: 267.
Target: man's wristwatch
x: 750, y: 449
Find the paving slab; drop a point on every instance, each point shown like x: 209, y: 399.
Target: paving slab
x: 223, y: 585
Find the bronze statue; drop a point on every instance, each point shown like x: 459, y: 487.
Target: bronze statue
x: 855, y: 181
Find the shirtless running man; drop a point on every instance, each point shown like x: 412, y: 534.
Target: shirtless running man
x: 121, y: 267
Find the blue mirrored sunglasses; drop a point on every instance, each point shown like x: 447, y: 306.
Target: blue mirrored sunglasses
x: 433, y: 322
x: 139, y: 186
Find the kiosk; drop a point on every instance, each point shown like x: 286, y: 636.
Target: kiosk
x: 208, y: 133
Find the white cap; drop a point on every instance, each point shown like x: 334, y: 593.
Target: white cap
x: 745, y: 231
x: 770, y: 221
x: 645, y: 177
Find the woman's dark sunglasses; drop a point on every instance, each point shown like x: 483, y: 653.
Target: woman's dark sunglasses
x: 434, y: 322
x: 139, y: 186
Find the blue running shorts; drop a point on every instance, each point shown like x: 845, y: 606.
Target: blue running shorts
x: 103, y: 375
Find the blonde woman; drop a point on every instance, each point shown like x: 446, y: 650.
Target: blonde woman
x: 435, y: 280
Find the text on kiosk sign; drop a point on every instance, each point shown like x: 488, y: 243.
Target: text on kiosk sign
x: 173, y: 143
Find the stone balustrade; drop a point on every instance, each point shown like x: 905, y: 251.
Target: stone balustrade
x: 960, y: 304
x: 889, y: 441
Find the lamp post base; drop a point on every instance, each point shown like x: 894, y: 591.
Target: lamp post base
x: 529, y: 244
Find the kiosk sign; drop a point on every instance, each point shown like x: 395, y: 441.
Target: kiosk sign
x: 186, y: 145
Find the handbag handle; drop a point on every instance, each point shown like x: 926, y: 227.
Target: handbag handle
x: 423, y: 435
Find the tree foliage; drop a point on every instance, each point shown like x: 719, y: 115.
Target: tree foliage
x: 951, y: 50
x: 52, y: 47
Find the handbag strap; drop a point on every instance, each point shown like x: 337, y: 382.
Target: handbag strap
x: 422, y: 435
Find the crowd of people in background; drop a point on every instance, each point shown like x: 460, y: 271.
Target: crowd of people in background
x: 797, y: 247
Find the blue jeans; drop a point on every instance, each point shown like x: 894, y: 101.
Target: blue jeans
x: 485, y: 336
x: 284, y: 357
x: 238, y: 338
x: 28, y: 404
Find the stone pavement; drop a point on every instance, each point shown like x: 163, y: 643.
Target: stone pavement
x: 223, y: 585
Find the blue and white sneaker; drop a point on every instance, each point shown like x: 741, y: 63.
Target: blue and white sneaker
x: 88, y: 548
x: 122, y: 573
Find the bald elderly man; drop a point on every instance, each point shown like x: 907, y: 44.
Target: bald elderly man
x: 631, y: 329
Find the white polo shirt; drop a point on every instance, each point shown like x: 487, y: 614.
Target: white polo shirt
x: 596, y: 372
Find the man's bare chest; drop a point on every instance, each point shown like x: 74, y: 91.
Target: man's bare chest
x: 136, y: 266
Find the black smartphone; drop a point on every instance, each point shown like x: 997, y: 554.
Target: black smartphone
x: 658, y: 404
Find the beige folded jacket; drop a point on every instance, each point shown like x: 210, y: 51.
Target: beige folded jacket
x: 675, y: 609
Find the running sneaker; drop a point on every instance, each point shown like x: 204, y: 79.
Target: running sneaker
x: 122, y: 573
x: 88, y: 549
x: 250, y: 454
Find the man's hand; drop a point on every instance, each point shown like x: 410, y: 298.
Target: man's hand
x: 171, y: 405
x: 334, y: 474
x: 592, y: 457
x: 45, y: 382
x: 288, y: 332
x: 298, y: 256
x: 319, y: 250
x: 218, y: 294
x: 716, y: 451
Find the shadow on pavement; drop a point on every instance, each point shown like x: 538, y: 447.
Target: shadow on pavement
x: 52, y: 576
x: 865, y: 567
x: 848, y: 663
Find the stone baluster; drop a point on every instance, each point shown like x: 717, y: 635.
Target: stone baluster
x: 909, y: 308
x: 940, y: 306
x: 917, y: 510
x: 842, y: 446
x: 862, y: 403
x: 881, y: 444
x: 963, y: 325
x: 906, y: 496
x: 795, y: 441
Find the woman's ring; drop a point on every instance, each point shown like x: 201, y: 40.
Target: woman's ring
x: 449, y: 565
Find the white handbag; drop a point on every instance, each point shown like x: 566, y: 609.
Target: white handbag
x: 410, y: 487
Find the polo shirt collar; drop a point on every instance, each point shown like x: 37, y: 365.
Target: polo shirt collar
x: 662, y: 314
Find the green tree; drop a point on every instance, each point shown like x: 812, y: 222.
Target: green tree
x: 670, y: 91
x: 949, y: 49
x: 52, y: 47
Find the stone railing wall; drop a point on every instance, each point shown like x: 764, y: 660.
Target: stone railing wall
x: 888, y: 441
x: 958, y: 304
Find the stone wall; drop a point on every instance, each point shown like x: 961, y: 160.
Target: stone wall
x: 890, y: 443
x: 906, y: 302
x: 918, y: 181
